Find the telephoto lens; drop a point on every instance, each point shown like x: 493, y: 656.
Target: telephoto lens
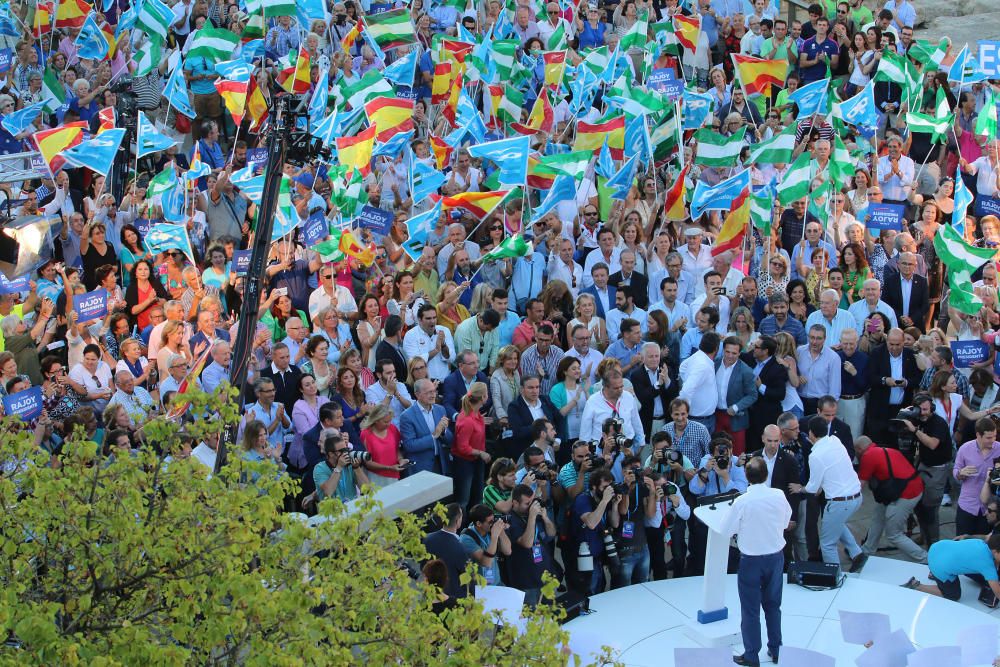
x: 610, y: 549
x: 584, y: 559
x: 360, y: 457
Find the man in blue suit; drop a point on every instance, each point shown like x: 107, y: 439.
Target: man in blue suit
x: 603, y: 293
x: 741, y: 393
x: 457, y: 384
x: 523, y: 411
x: 425, y: 431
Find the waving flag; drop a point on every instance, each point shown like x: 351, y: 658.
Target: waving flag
x: 673, y: 205
x: 734, y: 229
x: 776, y: 150
x: 715, y: 150
x: 275, y: 8
x: 173, y: 203
x: 811, y: 98
x: 356, y: 151
x: 592, y: 137
x: 44, y: 13
x: 320, y: 98
x: 213, y: 44
x: 256, y: 105
x: 986, y: 123
x: 697, y: 107
x: 966, y: 68
x: 148, y: 56
x: 718, y: 197
x: 391, y: 115
x: 511, y: 155
x: 795, y: 183
x: 622, y: 179
x: 859, y: 110
x: 758, y: 74
x: 509, y: 248
x: 176, y: 92
x: 687, y: 30
x: 402, y: 71
x: 635, y: 36
x: 154, y: 19
x: 442, y: 151
x: 163, y: 181
x: 350, y: 246
x: 21, y: 120
x: 72, y: 13
x: 370, y: 86
x: 51, y: 143
x: 962, y: 259
x: 91, y: 42
x: 391, y: 29
x: 394, y: 146
x: 295, y: 77
x: 563, y: 189
x: 417, y: 229
x: 179, y: 402
x: 8, y: 26
x: 963, y: 200
x: 97, y: 154
x: 234, y: 94
x: 149, y: 139
x: 198, y: 168
x: 165, y: 236
x: 479, y: 204
x: 424, y: 180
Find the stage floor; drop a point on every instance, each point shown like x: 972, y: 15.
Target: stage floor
x: 646, y: 622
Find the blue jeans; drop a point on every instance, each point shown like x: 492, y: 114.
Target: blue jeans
x: 759, y: 580
x: 634, y: 569
x: 708, y: 422
x: 834, y: 530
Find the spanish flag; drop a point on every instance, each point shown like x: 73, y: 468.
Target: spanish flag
x: 179, y: 402
x: 441, y: 85
x: 43, y: 19
x: 350, y: 38
x: 541, y: 117
x: 453, y: 50
x: 555, y: 67
x: 52, y: 142
x: 295, y: 78
x: 479, y: 204
x: 591, y: 137
x: 391, y: 115
x: 450, y: 107
x: 350, y: 246
x: 539, y: 176
x: 687, y: 29
x: 256, y: 105
x: 234, y: 94
x: 758, y: 75
x: 107, y: 119
x: 442, y: 151
x: 734, y: 229
x: 356, y: 151
x: 673, y: 206
x: 72, y: 13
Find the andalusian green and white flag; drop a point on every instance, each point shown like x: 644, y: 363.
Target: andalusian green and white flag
x: 776, y: 150
x: 635, y: 37
x: 148, y: 57
x: 633, y: 100
x: 962, y: 259
x: 927, y: 54
x: 557, y: 40
x: 795, y: 185
x: 53, y: 91
x: 987, y: 122
x: 510, y: 247
x: 596, y: 60
x: 351, y: 197
x: 664, y: 137
x: 276, y: 8
x: 841, y: 165
x: 390, y: 29
x: 511, y: 105
x: 155, y: 18
x: 367, y: 88
x: 936, y: 127
x: 213, y: 44
x: 715, y: 150
x: 962, y: 295
x: 572, y: 164
x: 162, y: 182
x: 899, y: 70
x: 762, y: 209
x: 504, y: 54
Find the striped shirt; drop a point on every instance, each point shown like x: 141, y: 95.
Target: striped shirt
x: 493, y: 495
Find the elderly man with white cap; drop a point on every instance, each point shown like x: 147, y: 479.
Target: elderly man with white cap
x: 696, y: 255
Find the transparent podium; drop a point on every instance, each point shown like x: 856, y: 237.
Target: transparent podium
x: 712, y: 626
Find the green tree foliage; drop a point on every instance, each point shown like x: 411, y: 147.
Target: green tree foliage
x: 149, y: 560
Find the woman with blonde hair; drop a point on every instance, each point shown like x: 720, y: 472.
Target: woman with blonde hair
x: 505, y: 381
x: 785, y: 355
x: 585, y: 313
x: 632, y: 236
x: 774, y: 276
x: 450, y: 312
x: 741, y: 325
x: 469, y: 448
x: 381, y: 439
x: 171, y: 343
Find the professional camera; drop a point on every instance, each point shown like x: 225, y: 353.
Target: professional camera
x: 722, y: 462
x: 123, y: 84
x: 613, y: 425
x: 898, y: 426
x: 544, y: 473
x: 994, y: 475
x: 360, y: 457
x: 596, y: 460
x: 610, y: 549
x: 667, y: 455
x: 621, y: 489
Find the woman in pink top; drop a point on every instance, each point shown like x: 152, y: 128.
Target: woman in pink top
x: 305, y: 415
x: 381, y: 439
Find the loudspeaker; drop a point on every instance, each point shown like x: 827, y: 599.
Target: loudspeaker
x: 574, y: 603
x: 817, y: 575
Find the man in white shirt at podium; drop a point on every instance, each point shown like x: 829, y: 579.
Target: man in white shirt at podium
x: 759, y: 519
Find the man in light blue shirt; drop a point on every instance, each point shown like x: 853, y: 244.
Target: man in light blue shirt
x: 509, y: 319
x: 819, y: 369
x: 217, y: 372
x: 831, y: 317
x: 705, y: 320
x: 624, y: 309
x: 528, y: 276
x: 903, y: 13
x: 871, y: 303
x: 812, y: 241
x: 628, y: 348
x: 678, y: 313
x: 273, y: 415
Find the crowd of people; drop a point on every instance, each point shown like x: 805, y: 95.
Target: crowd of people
x: 585, y: 394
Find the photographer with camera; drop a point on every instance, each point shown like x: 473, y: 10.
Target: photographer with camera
x: 991, y: 490
x: 674, y: 468
x: 534, y: 471
x: 530, y: 530
x: 637, y: 504
x: 485, y: 537
x: 543, y: 438
x: 925, y: 439
x: 590, y: 524
x: 718, y: 472
x: 616, y: 413
x: 671, y: 509
x: 974, y: 465
x: 343, y: 471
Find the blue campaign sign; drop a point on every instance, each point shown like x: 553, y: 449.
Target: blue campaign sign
x: 14, y: 286
x: 664, y: 81
x: 38, y: 165
x: 885, y: 216
x: 6, y: 58
x: 91, y: 306
x: 256, y: 158
x: 143, y: 225
x: 965, y: 353
x: 989, y: 57
x: 316, y: 229
x: 375, y: 219
x: 987, y: 206
x: 241, y: 261
x: 25, y: 404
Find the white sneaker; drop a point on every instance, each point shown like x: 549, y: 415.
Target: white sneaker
x: 946, y: 500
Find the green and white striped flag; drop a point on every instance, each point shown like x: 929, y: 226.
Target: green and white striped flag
x: 597, y: 60
x: 557, y: 40
x: 987, y: 122
x: 762, y: 210
x: 715, y: 150
x: 776, y: 150
x: 162, y: 182
x: 663, y: 137
x: 390, y: 29
x: 504, y: 53
x: 572, y: 164
x: 53, y: 91
x: 936, y: 127
x: 927, y: 54
x: 148, y: 57
x: 841, y: 164
x: 349, y: 198
x: 276, y: 8
x: 155, y: 18
x: 213, y: 44
x: 899, y: 70
x: 634, y: 100
x: 664, y: 35
x: 510, y: 247
x: 961, y: 259
x: 511, y: 105
x: 635, y: 37
x: 795, y: 185
x: 367, y: 88
x: 962, y: 295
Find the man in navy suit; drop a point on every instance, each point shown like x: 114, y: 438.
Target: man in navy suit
x: 771, y: 381
x: 522, y: 412
x: 457, y: 384
x: 907, y: 293
x: 732, y: 412
x: 425, y: 431
x: 603, y: 293
x: 444, y: 544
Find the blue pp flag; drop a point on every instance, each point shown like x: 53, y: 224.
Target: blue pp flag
x: 21, y: 120
x: 511, y: 155
x: 249, y: 184
x: 966, y: 68
x: 605, y: 166
x: 583, y: 86
x: 310, y: 10
x: 173, y: 204
x: 127, y: 19
x: 91, y: 42
x: 149, y: 139
x: 860, y: 110
x: 622, y: 180
x: 424, y: 180
x: 319, y: 99
x: 403, y: 70
x: 97, y: 154
x: 697, y: 107
x: 811, y: 98
x: 718, y: 197
x: 234, y: 70
x: 637, y: 141
x: 417, y: 228
x: 176, y: 93
x: 8, y: 26
x: 166, y: 236
x: 563, y: 189
x: 963, y: 200
x: 254, y: 49
x: 394, y: 146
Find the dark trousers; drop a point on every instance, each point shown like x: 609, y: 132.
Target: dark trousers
x: 468, y: 477
x: 970, y: 524
x: 657, y: 552
x: 760, y: 581
x: 809, y: 406
x: 678, y: 547
x: 697, y: 543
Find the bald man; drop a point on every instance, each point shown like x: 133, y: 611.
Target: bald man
x: 893, y: 376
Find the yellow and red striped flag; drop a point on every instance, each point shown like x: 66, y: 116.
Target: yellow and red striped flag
x: 442, y: 151
x: 179, y: 403
x: 44, y: 13
x: 107, y: 119
x: 391, y: 115
x: 687, y: 29
x: 673, y: 205
x: 72, y: 13
x: 441, y: 84
x: 541, y: 117
x: 479, y: 204
x: 351, y: 37
x: 256, y: 105
x: 734, y: 229
x: 591, y: 137
x: 758, y: 75
x: 356, y: 151
x: 234, y: 94
x: 555, y: 66
x: 295, y: 79
x: 350, y: 246
x: 52, y: 142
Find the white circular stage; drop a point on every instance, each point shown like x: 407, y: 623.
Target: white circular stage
x: 646, y: 622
